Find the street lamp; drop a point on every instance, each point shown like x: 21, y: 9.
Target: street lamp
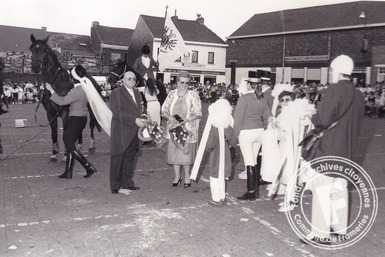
x: 364, y: 48
x: 362, y: 15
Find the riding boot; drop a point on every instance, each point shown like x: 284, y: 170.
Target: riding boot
x: 250, y: 194
x: 85, y: 163
x: 257, y: 179
x: 70, y: 161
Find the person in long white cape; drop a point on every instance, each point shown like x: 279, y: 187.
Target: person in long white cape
x: 100, y: 109
x: 292, y: 123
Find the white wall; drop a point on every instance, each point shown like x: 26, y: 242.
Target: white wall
x: 202, y: 67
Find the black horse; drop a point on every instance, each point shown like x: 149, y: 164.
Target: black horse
x: 45, y: 61
x: 117, y: 75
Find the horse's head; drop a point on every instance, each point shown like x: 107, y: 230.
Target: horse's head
x: 118, y: 72
x: 44, y: 60
x: 39, y: 49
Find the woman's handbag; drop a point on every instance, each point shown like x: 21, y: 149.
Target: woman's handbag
x: 310, y: 143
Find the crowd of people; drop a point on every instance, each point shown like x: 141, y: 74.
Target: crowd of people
x: 374, y: 95
x: 20, y: 93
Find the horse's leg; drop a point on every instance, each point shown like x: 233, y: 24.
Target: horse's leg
x: 91, y: 147
x: 64, y: 114
x: 55, y: 144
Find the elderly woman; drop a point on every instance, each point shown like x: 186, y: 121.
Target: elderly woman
x: 182, y: 106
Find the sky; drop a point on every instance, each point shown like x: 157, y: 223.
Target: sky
x: 223, y: 17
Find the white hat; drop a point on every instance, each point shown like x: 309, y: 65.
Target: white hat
x: 342, y: 64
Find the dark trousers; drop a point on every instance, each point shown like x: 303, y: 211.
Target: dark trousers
x: 73, y: 130
x: 122, y: 167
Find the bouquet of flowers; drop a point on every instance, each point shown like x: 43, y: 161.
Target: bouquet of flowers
x: 180, y: 136
x: 158, y: 134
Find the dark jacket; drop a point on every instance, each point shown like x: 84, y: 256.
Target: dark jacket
x: 124, y: 113
x: 250, y: 113
x: 142, y: 70
x: 212, y: 146
x: 341, y: 140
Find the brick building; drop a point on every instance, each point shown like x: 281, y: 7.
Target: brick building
x: 298, y: 45
x: 110, y: 44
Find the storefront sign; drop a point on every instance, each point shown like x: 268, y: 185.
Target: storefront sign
x: 310, y: 58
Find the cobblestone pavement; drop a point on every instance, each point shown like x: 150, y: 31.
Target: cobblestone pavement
x: 41, y: 215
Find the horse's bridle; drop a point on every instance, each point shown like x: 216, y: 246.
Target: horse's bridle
x: 121, y: 75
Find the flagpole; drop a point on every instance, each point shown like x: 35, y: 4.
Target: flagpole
x: 161, y: 40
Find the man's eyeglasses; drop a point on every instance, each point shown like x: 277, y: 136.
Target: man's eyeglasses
x: 184, y: 82
x: 284, y: 100
x: 134, y: 79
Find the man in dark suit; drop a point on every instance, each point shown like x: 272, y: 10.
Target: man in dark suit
x: 125, y: 102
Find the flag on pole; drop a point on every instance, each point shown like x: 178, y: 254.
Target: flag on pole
x: 172, y: 46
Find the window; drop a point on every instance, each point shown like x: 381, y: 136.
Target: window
x: 211, y: 58
x: 194, y: 57
x: 381, y: 74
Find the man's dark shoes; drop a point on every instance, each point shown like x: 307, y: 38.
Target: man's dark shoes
x: 115, y: 192
x: 248, y: 196
x: 262, y: 182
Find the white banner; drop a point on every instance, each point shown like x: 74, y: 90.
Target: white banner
x: 172, y: 46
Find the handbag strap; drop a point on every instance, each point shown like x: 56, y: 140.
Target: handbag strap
x: 322, y: 132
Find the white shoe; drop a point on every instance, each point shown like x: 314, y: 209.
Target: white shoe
x: 124, y: 191
x: 242, y: 175
x: 287, y: 208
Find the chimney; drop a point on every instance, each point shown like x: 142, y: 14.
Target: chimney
x: 95, y: 24
x: 200, y: 19
x: 175, y: 17
x: 44, y: 28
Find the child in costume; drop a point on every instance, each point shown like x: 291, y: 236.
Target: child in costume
x: 215, y: 140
